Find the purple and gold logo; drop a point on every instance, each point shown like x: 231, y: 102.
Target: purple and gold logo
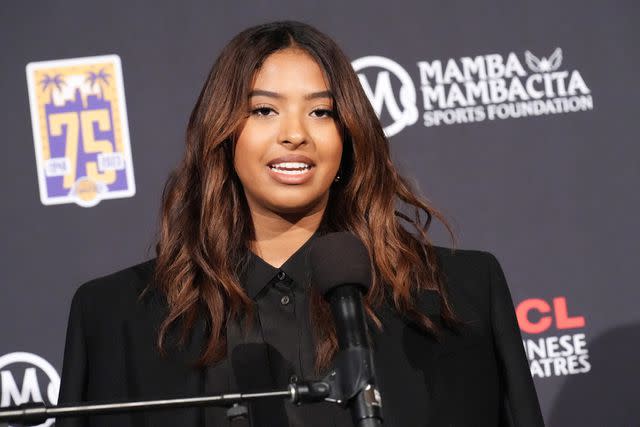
x: 80, y: 130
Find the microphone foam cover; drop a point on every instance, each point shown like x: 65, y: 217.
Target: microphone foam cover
x: 339, y: 259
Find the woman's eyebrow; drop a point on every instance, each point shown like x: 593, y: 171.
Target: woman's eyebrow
x: 321, y: 94
x: 271, y: 94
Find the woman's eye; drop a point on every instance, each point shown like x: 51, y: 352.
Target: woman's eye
x: 322, y: 112
x: 263, y: 111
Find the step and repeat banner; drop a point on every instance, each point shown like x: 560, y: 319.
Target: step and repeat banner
x: 517, y: 119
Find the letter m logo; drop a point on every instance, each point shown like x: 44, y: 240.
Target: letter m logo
x: 404, y: 113
x: 11, y: 394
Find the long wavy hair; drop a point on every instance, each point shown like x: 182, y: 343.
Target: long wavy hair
x: 206, y: 225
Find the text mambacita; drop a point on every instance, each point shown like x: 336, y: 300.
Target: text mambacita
x: 473, y: 89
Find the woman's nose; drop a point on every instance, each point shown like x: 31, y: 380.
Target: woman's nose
x: 292, y: 131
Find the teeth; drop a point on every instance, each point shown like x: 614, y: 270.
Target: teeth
x: 292, y: 172
x: 290, y: 165
x: 291, y: 168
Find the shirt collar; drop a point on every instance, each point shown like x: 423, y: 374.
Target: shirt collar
x: 259, y: 273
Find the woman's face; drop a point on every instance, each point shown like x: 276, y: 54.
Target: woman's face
x: 289, y: 149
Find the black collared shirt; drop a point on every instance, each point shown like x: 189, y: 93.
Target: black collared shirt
x: 279, y: 348
x: 281, y: 297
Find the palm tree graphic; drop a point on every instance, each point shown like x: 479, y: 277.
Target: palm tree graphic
x: 101, y: 78
x: 49, y: 82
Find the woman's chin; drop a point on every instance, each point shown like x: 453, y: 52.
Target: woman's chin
x: 299, y: 208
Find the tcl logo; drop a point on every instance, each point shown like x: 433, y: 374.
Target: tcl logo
x: 536, y: 315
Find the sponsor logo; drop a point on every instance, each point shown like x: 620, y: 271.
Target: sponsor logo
x: 27, y: 377
x: 561, y: 346
x: 382, y: 96
x: 472, y: 89
x: 80, y: 130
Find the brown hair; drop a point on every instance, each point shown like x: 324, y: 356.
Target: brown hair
x: 206, y: 226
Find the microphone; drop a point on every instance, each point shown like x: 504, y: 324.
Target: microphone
x: 341, y: 272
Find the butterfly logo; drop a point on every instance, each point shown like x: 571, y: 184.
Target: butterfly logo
x: 544, y: 65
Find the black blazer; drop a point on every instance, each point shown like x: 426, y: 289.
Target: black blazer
x: 476, y: 377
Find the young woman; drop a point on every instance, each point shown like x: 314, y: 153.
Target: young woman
x: 283, y: 146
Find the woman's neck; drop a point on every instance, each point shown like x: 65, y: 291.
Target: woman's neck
x: 277, y: 237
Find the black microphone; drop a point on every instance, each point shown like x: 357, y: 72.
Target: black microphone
x: 341, y: 271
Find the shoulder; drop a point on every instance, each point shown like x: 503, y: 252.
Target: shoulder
x: 467, y: 266
x: 464, y: 261
x: 115, y: 290
x: 472, y: 277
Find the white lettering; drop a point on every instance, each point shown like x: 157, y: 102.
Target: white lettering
x: 429, y: 71
x: 471, y: 67
x: 495, y: 67
x: 30, y: 389
x: 513, y: 66
x: 576, y: 83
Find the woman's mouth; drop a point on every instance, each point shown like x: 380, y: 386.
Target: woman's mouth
x: 290, y: 168
x: 291, y: 172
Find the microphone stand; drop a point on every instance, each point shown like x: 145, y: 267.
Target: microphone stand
x: 353, y: 382
x: 350, y: 383
x: 38, y: 413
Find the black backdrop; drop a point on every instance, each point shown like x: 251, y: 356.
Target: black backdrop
x: 544, y: 172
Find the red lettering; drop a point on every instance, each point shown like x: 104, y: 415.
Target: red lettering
x: 563, y: 321
x: 522, y: 312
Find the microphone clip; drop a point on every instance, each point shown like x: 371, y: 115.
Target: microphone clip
x: 351, y: 375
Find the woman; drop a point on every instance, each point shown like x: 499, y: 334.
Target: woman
x: 283, y: 146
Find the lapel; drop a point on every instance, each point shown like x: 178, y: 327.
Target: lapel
x: 150, y: 375
x: 173, y: 374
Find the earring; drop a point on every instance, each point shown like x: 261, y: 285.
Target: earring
x: 337, y: 178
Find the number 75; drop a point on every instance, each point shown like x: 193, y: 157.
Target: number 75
x: 75, y: 122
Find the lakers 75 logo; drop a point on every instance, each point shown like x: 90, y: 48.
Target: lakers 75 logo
x: 80, y: 130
